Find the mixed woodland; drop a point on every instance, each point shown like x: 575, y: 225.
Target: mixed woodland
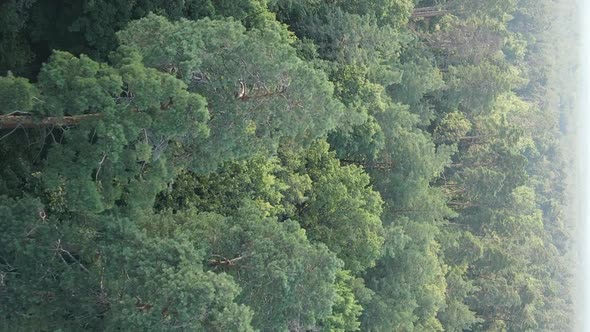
x: 286, y: 165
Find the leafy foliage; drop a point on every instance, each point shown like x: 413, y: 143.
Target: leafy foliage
x: 285, y: 165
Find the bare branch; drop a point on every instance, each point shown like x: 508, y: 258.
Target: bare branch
x: 10, y: 133
x: 104, y: 156
x: 58, y: 249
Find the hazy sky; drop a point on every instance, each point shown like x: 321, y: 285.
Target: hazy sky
x: 584, y: 164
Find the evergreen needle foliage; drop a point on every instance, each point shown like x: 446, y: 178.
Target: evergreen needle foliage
x: 285, y: 165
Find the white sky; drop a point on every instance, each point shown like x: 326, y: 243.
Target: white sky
x: 583, y: 129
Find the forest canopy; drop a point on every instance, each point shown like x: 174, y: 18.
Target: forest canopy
x: 286, y: 165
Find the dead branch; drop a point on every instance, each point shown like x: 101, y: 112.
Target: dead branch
x: 58, y: 249
x: 104, y: 156
x: 223, y: 261
x: 143, y: 307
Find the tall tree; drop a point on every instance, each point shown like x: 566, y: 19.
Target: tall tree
x: 258, y: 91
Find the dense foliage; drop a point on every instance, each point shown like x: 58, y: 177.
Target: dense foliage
x: 285, y: 165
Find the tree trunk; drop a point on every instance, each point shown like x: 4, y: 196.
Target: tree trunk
x: 382, y: 165
x: 28, y: 121
x: 429, y: 12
